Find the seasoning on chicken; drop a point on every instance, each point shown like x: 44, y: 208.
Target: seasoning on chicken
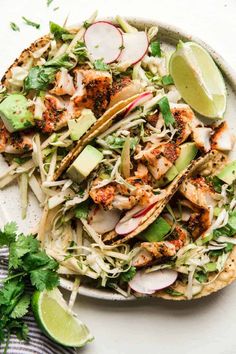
x: 123, y: 88
x: 222, y: 139
x: 55, y: 115
x: 63, y: 84
x: 15, y: 143
x: 93, y: 89
x: 199, y: 222
x: 178, y: 237
x: 199, y: 192
x: 202, y: 137
x: 104, y: 195
x: 185, y: 121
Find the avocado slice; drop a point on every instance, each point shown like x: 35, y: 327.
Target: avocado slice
x: 15, y: 114
x: 77, y: 127
x: 87, y: 160
x: 188, y: 151
x: 156, y: 231
x: 228, y: 173
x: 187, y: 154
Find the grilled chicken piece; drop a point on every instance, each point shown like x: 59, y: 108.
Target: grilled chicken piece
x: 161, y: 159
x: 63, y: 84
x: 199, y: 192
x: 55, y: 115
x: 104, y: 195
x: 202, y: 137
x: 142, y: 172
x: 15, y: 143
x: 186, y: 121
x: 122, y: 89
x: 222, y: 139
x: 153, y: 118
x: 143, y: 259
x: 199, y: 222
x: 93, y: 89
x: 178, y: 237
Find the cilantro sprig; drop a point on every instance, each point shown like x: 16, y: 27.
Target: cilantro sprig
x: 28, y: 264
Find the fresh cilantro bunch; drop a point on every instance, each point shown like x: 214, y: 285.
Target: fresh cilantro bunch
x: 28, y: 264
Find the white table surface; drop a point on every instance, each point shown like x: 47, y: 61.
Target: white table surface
x: 145, y: 326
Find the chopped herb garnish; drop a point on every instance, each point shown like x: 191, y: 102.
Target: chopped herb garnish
x: 100, y: 65
x: 164, y: 106
x: 49, y: 2
x: 128, y: 275
x: 167, y: 80
x: 155, y: 48
x: 200, y: 276
x: 39, y: 78
x: 57, y: 30
x: 31, y: 23
x: 60, y: 61
x: 14, y: 27
x: 81, y: 211
x: 86, y: 24
x: 173, y: 292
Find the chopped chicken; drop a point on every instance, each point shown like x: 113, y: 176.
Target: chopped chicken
x: 202, y: 137
x: 104, y: 195
x: 199, y: 192
x: 55, y: 115
x: 142, y: 172
x: 93, y: 89
x: 222, y: 139
x: 122, y: 89
x: 199, y: 222
x: 180, y: 236
x: 143, y: 258
x: 15, y: 143
x: 63, y: 84
x: 186, y: 121
x: 160, y: 160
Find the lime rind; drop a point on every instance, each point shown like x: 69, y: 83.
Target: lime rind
x: 206, y: 79
x: 57, y: 322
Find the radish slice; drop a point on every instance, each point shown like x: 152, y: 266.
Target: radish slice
x: 135, y: 47
x: 148, y: 283
x: 103, y: 41
x: 144, y: 97
x: 123, y: 228
x: 103, y: 221
x: 144, y: 211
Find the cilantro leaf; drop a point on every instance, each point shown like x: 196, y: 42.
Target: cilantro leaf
x: 128, y: 275
x: 14, y: 27
x: 200, y: 276
x: 44, y: 279
x: 8, y: 234
x: 60, y: 61
x: 57, y: 30
x: 81, y: 211
x: 19, y: 328
x: 39, y: 78
x: 164, y: 106
x: 173, y: 292
x: 100, y: 65
x: 21, y: 307
x: 30, y: 23
x: 167, y: 80
x: 18, y: 249
x: 155, y: 48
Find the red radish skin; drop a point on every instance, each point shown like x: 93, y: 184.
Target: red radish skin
x: 135, y: 47
x: 144, y: 97
x: 144, y: 211
x: 123, y: 228
x: 149, y: 283
x: 104, y: 41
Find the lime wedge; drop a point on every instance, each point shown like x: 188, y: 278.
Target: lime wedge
x: 198, y: 79
x: 56, y: 321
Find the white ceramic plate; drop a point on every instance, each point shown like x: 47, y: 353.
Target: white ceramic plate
x: 9, y: 197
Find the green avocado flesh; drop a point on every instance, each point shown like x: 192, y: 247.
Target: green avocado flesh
x: 228, y: 173
x: 15, y: 114
x: 188, y: 151
x: 87, y: 160
x: 78, y: 127
x: 156, y: 231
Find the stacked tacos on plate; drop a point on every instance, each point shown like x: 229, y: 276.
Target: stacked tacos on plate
x: 97, y: 129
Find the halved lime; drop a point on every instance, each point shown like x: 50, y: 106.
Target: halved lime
x: 56, y: 321
x: 198, y: 79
